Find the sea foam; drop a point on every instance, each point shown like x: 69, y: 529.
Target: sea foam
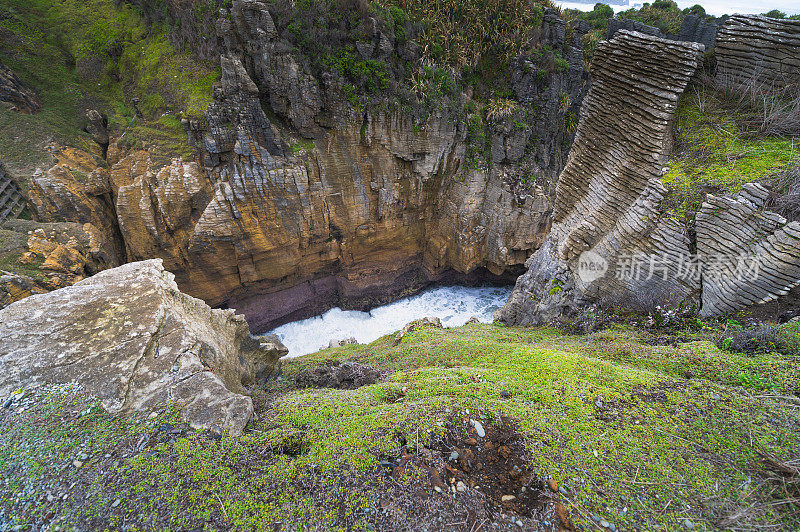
x: 454, y: 305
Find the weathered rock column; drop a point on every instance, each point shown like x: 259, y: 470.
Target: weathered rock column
x: 608, y: 196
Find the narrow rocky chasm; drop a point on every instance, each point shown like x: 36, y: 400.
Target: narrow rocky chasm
x: 296, y: 196
x: 301, y: 201
x: 278, y: 159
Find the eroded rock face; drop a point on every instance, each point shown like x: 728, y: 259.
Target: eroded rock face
x: 132, y: 339
x: 76, y: 189
x: 760, y: 251
x: 368, y: 207
x: 608, y: 196
x: 611, y: 241
x: 300, y: 201
x: 754, y: 47
x: 693, y: 29
x: 16, y: 94
x: 43, y: 257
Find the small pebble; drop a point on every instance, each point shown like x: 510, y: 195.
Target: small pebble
x: 688, y: 524
x: 453, y: 456
x: 77, y: 463
x: 478, y: 427
x: 461, y: 487
x: 507, y: 498
x: 519, y: 523
x: 116, y: 503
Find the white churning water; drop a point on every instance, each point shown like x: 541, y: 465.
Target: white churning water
x: 454, y: 305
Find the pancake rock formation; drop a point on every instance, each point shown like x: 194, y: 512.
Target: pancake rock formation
x: 611, y: 242
x: 761, y: 251
x: 608, y: 196
x: 129, y: 337
x: 754, y: 47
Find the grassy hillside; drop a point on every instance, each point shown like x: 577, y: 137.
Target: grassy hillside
x: 633, y: 435
x: 80, y: 54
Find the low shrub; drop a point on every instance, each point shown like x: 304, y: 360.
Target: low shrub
x: 584, y: 320
x: 785, y: 197
x: 761, y: 339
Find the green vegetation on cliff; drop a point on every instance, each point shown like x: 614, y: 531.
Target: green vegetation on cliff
x: 726, y: 136
x: 80, y: 54
x: 437, y: 48
x: 637, y: 435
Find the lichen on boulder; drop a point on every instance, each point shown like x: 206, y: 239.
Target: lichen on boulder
x: 129, y: 337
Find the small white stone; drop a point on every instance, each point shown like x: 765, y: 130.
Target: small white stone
x: 478, y: 427
x: 508, y: 498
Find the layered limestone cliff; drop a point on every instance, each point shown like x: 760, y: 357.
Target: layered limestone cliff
x: 612, y: 242
x: 753, y: 47
x: 608, y: 197
x: 760, y: 251
x: 301, y: 200
x: 302, y: 197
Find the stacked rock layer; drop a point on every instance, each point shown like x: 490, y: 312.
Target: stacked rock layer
x: 752, y: 255
x: 608, y: 198
x: 612, y: 243
x: 753, y: 47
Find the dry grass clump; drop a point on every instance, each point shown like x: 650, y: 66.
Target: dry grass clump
x: 785, y: 480
x: 498, y: 109
x: 785, y: 199
x: 460, y: 32
x: 761, y: 108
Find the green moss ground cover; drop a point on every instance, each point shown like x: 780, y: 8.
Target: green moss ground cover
x: 642, y: 436
x: 715, y: 154
x: 78, y: 54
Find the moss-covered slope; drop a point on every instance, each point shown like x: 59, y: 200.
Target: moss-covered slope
x: 98, y: 54
x: 635, y: 436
